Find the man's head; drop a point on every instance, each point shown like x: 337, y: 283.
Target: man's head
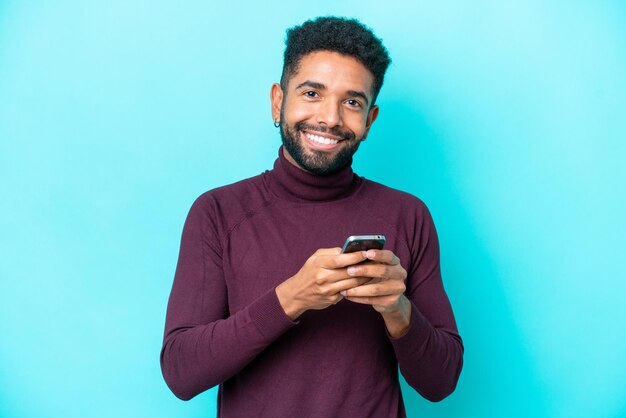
x: 332, y: 73
x: 345, y: 36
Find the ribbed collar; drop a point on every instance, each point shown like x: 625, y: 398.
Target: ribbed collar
x: 290, y: 182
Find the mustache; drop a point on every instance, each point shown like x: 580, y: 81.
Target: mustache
x: 337, y: 131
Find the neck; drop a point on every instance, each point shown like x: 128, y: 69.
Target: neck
x: 290, y: 181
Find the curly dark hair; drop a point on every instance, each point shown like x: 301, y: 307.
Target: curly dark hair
x: 345, y: 36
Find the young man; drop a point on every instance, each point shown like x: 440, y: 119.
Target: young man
x: 265, y: 305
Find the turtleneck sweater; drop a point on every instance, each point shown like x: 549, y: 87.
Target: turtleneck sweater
x: 225, y: 325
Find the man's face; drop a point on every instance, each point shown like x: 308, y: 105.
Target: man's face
x: 325, y: 112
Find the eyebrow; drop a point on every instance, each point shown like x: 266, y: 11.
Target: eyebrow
x: 320, y: 86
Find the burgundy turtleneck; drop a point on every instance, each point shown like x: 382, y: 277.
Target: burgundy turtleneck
x: 225, y: 326
x: 292, y: 183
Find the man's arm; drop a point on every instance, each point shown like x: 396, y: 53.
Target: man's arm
x: 419, y: 319
x: 204, y: 344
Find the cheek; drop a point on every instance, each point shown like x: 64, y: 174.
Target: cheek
x: 356, y: 123
x: 296, y: 112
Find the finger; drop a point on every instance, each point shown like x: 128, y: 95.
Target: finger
x: 373, y: 280
x: 363, y: 300
x: 383, y: 271
x: 375, y: 289
x: 327, y: 276
x: 328, y: 251
x: 342, y: 260
x: 383, y: 256
x: 368, y: 300
x: 349, y: 283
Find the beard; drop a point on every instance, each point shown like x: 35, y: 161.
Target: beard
x: 317, y: 162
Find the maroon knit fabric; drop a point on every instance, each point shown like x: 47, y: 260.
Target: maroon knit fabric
x: 226, y: 327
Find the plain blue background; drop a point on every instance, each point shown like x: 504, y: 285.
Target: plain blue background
x: 508, y: 118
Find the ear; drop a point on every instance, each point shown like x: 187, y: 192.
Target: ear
x: 371, y: 117
x: 276, y: 97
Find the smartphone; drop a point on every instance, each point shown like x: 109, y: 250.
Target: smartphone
x: 363, y: 243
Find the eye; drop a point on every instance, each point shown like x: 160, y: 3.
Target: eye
x: 353, y: 103
x: 310, y: 93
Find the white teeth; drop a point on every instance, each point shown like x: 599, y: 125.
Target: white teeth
x: 321, y: 139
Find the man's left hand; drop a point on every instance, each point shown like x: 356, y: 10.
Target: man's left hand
x: 385, y: 289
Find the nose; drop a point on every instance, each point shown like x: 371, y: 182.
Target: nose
x: 329, y: 113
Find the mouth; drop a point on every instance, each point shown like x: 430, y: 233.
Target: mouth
x: 321, y: 140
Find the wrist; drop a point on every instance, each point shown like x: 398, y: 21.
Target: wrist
x: 288, y: 302
x: 398, y: 321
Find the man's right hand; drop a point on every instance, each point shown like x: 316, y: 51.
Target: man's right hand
x: 319, y: 281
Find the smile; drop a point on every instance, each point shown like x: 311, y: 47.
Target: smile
x: 321, y: 139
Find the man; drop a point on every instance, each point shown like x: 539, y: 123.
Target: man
x: 265, y: 305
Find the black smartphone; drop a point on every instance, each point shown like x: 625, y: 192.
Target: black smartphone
x: 363, y: 243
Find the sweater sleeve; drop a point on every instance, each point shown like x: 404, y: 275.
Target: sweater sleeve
x: 204, y: 344
x: 430, y: 354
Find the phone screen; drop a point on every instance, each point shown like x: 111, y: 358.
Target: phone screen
x: 363, y: 243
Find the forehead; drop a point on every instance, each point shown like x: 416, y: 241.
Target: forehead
x: 335, y: 71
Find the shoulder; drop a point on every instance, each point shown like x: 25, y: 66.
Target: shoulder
x: 249, y: 190
x: 226, y: 205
